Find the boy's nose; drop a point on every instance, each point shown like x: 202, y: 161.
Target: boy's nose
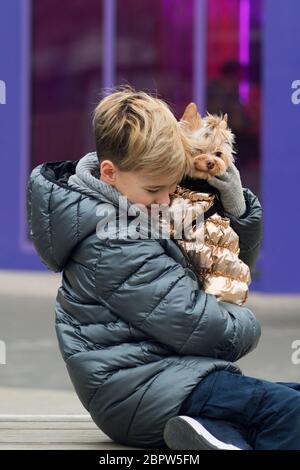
x: 163, y: 200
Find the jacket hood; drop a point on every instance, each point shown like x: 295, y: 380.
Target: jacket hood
x: 62, y: 202
x: 59, y: 216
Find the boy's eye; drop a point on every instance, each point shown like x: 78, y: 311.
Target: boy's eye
x: 157, y: 190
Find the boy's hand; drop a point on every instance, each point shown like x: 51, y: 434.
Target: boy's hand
x: 231, y: 192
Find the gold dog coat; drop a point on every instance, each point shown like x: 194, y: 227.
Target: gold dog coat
x: 213, y: 253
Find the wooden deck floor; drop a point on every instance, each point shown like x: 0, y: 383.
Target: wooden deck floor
x: 29, y: 432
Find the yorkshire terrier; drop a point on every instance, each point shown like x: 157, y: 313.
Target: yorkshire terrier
x: 212, y: 143
x: 213, y: 253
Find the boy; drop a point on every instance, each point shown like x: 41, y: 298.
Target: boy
x: 141, y: 341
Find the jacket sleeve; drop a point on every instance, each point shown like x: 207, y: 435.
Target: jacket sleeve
x: 149, y: 290
x: 249, y: 228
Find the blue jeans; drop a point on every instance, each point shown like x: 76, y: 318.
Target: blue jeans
x: 247, y: 412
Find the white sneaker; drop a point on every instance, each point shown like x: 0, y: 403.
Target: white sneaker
x: 185, y: 433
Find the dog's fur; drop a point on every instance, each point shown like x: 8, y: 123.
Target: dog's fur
x: 212, y: 143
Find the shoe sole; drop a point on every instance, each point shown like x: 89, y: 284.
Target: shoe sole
x: 185, y: 433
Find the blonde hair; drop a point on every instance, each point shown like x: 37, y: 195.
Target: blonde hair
x: 138, y: 131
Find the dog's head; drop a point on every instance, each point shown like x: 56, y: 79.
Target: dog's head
x: 212, y: 143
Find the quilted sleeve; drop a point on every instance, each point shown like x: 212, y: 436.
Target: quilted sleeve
x: 146, y: 288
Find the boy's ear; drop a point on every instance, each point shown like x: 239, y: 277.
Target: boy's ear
x: 191, y: 119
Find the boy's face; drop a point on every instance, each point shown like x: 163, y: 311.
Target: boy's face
x: 139, y: 187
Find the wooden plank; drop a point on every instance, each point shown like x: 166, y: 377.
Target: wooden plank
x: 46, y: 425
x: 100, y: 447
x: 37, y: 418
x: 53, y: 435
x: 26, y: 432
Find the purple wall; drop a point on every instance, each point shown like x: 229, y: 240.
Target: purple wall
x: 15, y: 251
x: 280, y: 170
x: 278, y: 263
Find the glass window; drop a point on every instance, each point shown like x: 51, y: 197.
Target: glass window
x: 154, y: 51
x: 66, y: 77
x: 154, y: 48
x: 234, y: 76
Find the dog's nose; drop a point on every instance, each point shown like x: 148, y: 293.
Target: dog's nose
x: 210, y: 165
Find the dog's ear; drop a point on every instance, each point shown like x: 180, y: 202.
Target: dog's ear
x: 191, y: 119
x: 222, y: 121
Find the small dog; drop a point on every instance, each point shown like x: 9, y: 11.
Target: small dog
x: 214, y: 254
x: 212, y: 143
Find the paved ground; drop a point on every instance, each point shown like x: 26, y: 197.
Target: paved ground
x: 34, y: 378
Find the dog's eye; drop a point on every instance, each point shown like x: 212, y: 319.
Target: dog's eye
x: 218, y: 154
x: 206, y: 135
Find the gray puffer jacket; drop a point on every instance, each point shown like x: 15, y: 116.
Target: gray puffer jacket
x: 134, y: 328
